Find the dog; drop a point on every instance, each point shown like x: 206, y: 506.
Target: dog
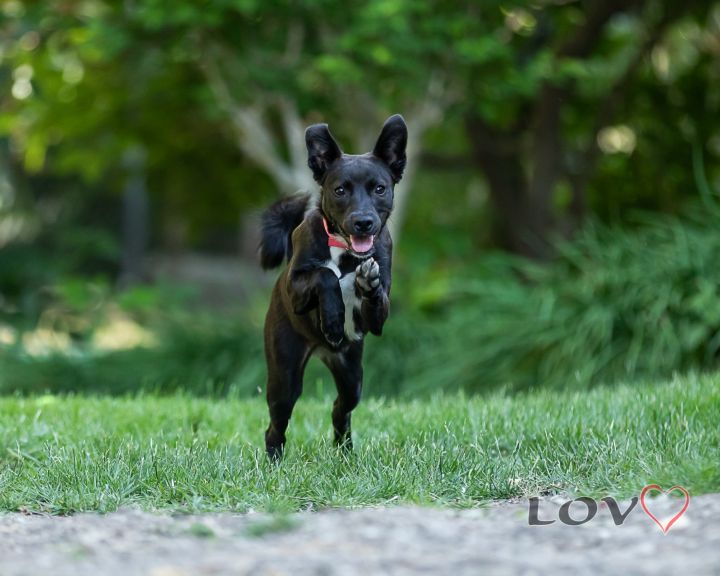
x: 336, y: 287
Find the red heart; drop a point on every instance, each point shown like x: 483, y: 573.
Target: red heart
x: 675, y: 518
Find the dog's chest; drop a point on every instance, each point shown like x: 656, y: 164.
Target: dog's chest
x: 343, y: 266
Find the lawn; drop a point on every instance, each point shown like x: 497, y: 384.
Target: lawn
x: 63, y: 454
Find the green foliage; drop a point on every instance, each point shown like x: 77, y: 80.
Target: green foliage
x: 55, y: 271
x: 69, y: 454
x: 106, y: 77
x: 202, y: 357
x: 91, y: 81
x: 616, y: 304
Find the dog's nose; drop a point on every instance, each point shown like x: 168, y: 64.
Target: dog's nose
x: 363, y: 225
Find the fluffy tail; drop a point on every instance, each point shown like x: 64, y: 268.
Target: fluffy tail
x: 278, y: 223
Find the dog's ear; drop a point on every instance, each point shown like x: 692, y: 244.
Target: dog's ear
x: 322, y: 149
x: 390, y: 146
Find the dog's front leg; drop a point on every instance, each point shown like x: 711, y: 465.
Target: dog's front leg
x: 320, y: 288
x: 346, y: 368
x: 375, y: 302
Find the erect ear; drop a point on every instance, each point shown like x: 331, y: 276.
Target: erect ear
x: 390, y: 147
x: 322, y: 149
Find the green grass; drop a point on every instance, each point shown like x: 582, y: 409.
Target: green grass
x: 65, y: 454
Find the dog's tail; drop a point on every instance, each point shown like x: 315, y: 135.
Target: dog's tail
x: 278, y: 223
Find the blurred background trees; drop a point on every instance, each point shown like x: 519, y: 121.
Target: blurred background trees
x: 139, y: 138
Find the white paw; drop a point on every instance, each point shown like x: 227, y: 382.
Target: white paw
x: 367, y: 275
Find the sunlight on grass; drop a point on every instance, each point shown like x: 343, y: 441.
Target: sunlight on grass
x: 64, y: 454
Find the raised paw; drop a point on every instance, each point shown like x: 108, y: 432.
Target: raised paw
x: 367, y: 276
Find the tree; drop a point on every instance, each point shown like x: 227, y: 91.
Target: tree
x: 267, y: 69
x: 218, y: 94
x: 527, y: 158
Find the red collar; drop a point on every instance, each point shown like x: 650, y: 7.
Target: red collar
x: 334, y: 241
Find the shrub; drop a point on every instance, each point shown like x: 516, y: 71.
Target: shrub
x: 616, y: 304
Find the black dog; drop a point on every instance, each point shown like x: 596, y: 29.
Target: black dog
x: 337, y: 284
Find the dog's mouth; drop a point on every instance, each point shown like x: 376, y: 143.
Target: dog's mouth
x: 361, y: 244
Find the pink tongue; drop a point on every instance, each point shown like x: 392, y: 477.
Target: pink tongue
x: 361, y: 244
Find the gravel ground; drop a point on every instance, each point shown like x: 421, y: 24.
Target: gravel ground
x: 391, y: 540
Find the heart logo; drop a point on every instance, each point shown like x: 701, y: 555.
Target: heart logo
x: 677, y: 516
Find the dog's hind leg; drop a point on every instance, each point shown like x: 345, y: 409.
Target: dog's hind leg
x: 287, y: 354
x: 346, y: 368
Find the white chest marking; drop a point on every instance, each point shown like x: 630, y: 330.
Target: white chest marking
x: 334, y: 262
x: 347, y: 287
x: 352, y: 303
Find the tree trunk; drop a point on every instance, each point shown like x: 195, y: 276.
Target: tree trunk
x: 524, y: 204
x: 135, y: 219
x: 498, y: 155
x: 546, y: 165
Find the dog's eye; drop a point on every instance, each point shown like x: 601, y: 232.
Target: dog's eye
x: 380, y: 189
x: 339, y: 191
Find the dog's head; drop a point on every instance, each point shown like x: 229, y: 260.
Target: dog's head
x: 357, y: 190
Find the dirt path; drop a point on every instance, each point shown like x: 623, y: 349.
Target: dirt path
x: 393, y: 540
